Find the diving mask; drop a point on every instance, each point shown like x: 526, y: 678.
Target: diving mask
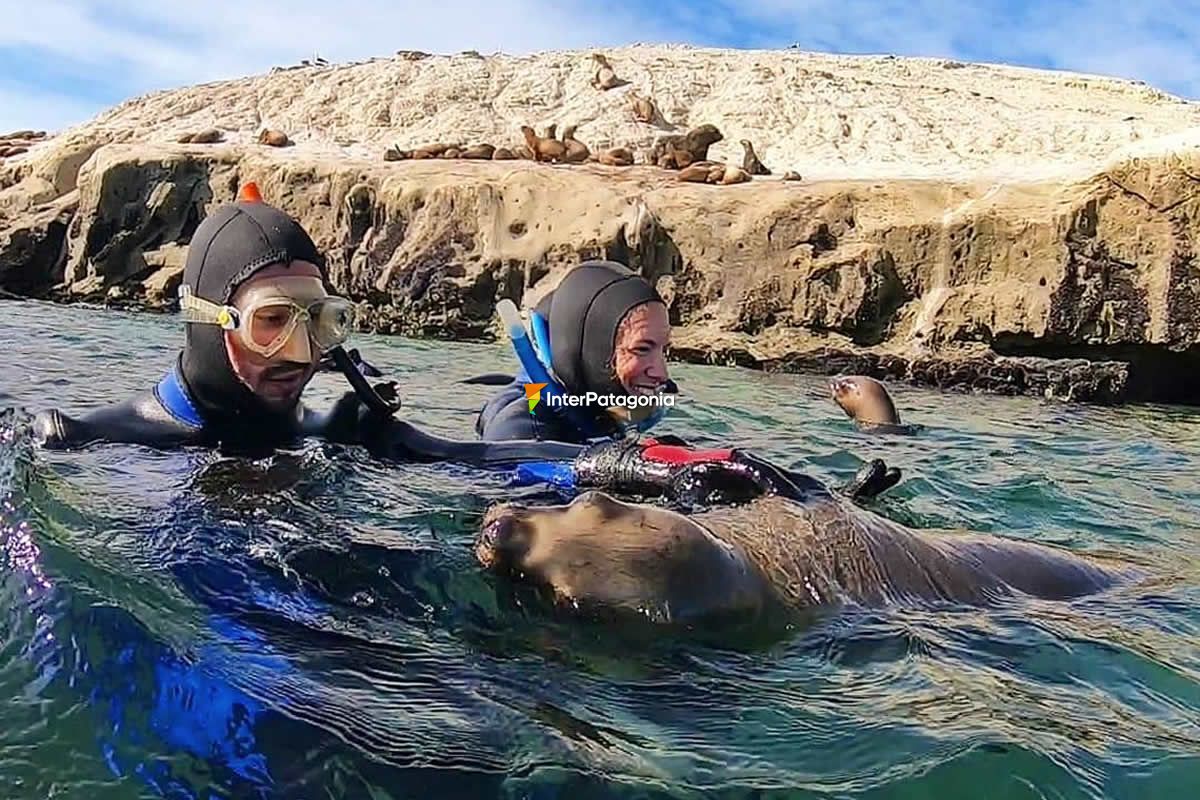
x: 272, y: 311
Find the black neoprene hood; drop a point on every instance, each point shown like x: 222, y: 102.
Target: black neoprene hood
x: 229, y: 246
x: 584, y: 312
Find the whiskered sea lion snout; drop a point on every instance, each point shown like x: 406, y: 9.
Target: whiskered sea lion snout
x: 504, y: 538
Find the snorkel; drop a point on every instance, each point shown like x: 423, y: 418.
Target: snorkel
x: 527, y: 348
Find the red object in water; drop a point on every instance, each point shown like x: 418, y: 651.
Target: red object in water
x: 250, y: 193
x: 674, y: 454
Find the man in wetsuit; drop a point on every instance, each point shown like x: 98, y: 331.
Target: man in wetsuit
x: 260, y: 316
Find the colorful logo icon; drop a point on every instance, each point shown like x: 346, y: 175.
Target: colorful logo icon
x: 533, y: 394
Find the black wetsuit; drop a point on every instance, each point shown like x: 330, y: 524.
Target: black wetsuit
x: 201, y: 401
x: 582, y: 315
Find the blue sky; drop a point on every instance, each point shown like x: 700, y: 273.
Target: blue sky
x: 63, y: 61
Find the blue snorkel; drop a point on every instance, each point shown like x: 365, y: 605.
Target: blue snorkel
x: 533, y: 365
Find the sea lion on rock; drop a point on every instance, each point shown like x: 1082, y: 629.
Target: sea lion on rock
x: 274, y: 138
x: 605, y: 77
x: 482, y: 152
x: 674, y: 159
x: 616, y: 157
x: 208, y: 136
x: 773, y: 554
x: 541, y: 148
x: 430, y: 151
x: 394, y: 153
x: 577, y: 151
x: 733, y: 174
x: 695, y: 143
x: 750, y: 161
x: 698, y: 172
x: 643, y: 108
x: 451, y: 152
x: 693, y: 173
x: 867, y: 402
x: 791, y: 175
x: 503, y: 154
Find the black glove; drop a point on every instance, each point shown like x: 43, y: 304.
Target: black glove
x: 687, y: 477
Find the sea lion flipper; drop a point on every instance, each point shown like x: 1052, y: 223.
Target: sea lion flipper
x: 872, y: 479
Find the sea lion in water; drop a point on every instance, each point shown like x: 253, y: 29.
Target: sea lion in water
x: 867, y: 402
x: 598, y: 554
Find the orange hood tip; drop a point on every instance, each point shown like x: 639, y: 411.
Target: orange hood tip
x: 250, y: 194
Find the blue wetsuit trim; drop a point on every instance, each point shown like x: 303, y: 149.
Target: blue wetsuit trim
x: 174, y: 398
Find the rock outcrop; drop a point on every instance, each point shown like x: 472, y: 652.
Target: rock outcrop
x: 1069, y: 282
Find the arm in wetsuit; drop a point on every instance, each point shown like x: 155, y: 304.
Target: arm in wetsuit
x: 142, y: 419
x: 351, y: 422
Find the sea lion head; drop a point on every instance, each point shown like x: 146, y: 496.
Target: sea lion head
x: 597, y: 553
x: 706, y: 134
x: 864, y: 400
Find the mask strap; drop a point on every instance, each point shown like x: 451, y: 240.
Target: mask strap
x: 197, y: 309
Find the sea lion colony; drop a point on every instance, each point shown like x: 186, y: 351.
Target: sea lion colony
x: 687, y: 153
x: 677, y: 152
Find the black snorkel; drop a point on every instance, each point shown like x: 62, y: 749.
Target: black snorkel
x: 368, y: 394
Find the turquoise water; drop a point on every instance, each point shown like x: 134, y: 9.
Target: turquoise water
x: 314, y: 625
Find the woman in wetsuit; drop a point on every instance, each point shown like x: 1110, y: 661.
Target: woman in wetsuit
x: 603, y: 330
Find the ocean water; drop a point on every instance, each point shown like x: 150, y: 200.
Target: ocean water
x: 314, y: 625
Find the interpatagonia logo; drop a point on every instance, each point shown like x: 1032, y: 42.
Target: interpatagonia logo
x: 533, y: 394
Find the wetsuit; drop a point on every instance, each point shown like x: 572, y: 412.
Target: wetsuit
x: 201, y: 401
x: 581, y: 316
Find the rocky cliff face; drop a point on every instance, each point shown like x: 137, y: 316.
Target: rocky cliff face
x: 1069, y: 281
